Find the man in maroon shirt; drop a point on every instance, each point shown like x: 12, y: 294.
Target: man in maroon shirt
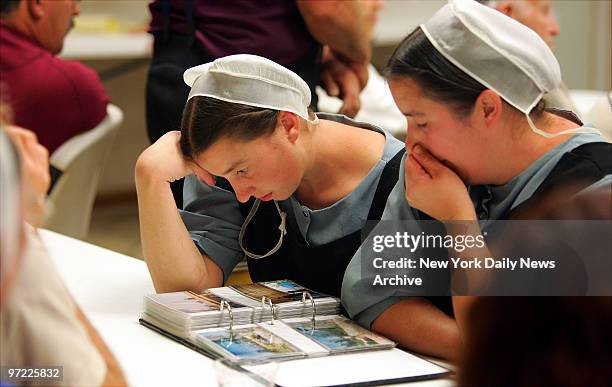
x: 55, y: 98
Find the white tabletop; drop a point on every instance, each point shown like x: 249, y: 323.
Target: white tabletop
x: 109, y: 288
x: 133, y: 45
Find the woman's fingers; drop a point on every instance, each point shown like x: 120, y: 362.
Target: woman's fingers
x: 329, y: 83
x: 427, y: 161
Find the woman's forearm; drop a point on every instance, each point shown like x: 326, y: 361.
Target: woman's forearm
x: 416, y: 324
x: 175, y: 263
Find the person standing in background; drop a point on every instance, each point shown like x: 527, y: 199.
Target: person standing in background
x: 325, y: 42
x: 538, y: 15
x: 55, y: 98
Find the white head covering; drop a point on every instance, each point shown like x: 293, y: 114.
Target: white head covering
x: 499, y: 52
x: 10, y: 217
x: 250, y: 80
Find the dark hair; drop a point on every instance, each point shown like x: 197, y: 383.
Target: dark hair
x: 8, y: 6
x: 206, y: 120
x: 538, y: 341
x: 416, y: 58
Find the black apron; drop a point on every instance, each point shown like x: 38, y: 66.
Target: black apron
x: 320, y: 268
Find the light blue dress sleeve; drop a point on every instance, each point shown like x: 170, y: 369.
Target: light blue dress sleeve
x: 603, y: 185
x: 213, y: 218
x: 363, y: 301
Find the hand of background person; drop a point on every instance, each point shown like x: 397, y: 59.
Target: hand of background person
x: 341, y: 80
x: 164, y: 161
x: 35, y: 178
x: 435, y: 189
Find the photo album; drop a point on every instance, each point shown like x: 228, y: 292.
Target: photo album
x: 281, y: 321
x: 278, y: 319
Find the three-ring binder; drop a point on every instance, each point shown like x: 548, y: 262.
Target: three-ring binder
x: 306, y: 295
x: 265, y: 300
x: 223, y: 304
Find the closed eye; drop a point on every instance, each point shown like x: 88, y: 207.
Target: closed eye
x: 242, y: 172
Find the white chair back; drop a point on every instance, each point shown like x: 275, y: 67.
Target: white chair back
x: 81, y: 160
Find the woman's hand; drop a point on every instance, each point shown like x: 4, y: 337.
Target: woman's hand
x: 163, y: 161
x: 35, y: 178
x: 435, y: 189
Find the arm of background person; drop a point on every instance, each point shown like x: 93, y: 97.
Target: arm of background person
x: 346, y: 27
x: 342, y: 25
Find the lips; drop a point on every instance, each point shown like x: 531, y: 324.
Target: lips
x: 267, y: 197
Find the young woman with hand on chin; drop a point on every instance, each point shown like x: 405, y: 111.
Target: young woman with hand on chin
x: 481, y: 146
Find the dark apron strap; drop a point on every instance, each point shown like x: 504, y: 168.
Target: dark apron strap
x: 577, y: 169
x: 388, y: 179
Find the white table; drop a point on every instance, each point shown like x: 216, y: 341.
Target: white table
x: 109, y: 288
x: 108, y: 46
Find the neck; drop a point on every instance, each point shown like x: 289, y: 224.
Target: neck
x: 338, y: 157
x: 524, y: 146
x: 318, y: 159
x: 19, y: 23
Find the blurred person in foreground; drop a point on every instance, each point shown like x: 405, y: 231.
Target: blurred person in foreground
x: 557, y: 341
x: 40, y: 324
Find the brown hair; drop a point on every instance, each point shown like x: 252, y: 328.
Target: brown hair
x: 206, y: 120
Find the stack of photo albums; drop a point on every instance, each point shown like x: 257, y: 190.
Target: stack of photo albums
x: 278, y: 320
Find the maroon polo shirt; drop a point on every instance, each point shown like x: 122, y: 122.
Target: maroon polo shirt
x: 55, y: 98
x: 273, y: 29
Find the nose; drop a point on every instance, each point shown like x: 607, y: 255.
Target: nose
x: 553, y: 25
x: 76, y: 7
x: 243, y: 192
x: 412, y: 136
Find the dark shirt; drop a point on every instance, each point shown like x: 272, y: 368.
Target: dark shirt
x: 55, y: 98
x: 273, y: 29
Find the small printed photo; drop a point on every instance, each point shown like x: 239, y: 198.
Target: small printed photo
x: 339, y: 334
x: 211, y: 299
x: 189, y: 302
x: 277, y: 291
x: 288, y: 286
x: 250, y: 343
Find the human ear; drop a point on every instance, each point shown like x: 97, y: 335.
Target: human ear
x: 290, y: 124
x: 35, y: 9
x: 489, y: 107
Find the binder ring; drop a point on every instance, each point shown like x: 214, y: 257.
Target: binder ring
x: 266, y: 300
x: 229, y: 310
x: 312, y: 302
